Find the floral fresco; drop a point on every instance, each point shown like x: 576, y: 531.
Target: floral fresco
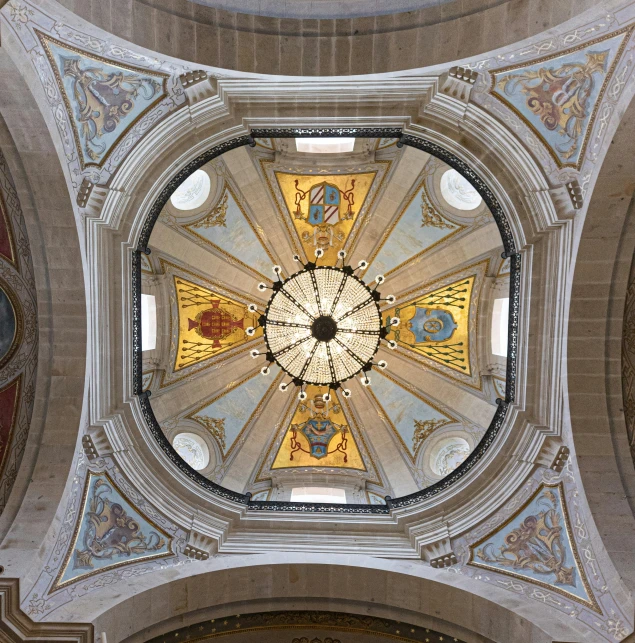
x: 111, y: 532
x: 537, y: 545
x: 103, y: 98
x: 558, y: 95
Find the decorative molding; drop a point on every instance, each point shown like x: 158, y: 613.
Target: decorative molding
x: 18, y: 627
x: 458, y: 83
x: 197, y: 85
x: 199, y: 546
x: 439, y: 554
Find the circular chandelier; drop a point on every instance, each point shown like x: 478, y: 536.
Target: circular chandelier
x: 323, y: 325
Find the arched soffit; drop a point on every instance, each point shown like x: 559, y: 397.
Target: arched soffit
x: 61, y: 311
x: 191, y: 293
x: 428, y: 36
x: 596, y: 328
x: 401, y: 590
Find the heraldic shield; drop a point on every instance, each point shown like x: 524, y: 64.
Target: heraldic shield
x: 325, y: 204
x: 215, y: 323
x: 432, y: 325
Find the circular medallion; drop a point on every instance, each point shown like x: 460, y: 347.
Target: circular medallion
x: 322, y: 325
x: 459, y: 192
x: 193, y: 192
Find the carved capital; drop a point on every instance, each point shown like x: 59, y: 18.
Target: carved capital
x: 439, y: 554
x: 200, y: 546
x: 197, y: 85
x: 96, y: 444
x: 567, y: 199
x: 553, y: 455
x: 91, y: 198
x: 458, y: 82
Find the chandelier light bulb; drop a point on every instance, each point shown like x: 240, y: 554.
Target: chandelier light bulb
x: 362, y: 264
x: 380, y: 279
x: 326, y: 397
x: 392, y: 344
x: 264, y: 370
x: 382, y: 363
x: 302, y: 396
x: 365, y: 381
x: 391, y: 299
x: 254, y: 353
x: 395, y: 321
x: 277, y: 270
x: 319, y: 253
x: 346, y: 392
x: 251, y: 331
x: 283, y: 386
x: 252, y: 308
x: 341, y: 254
x: 262, y: 287
x: 296, y: 258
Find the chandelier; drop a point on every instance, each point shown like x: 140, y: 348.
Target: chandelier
x: 323, y: 325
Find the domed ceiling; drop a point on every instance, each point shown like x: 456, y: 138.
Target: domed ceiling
x: 393, y: 211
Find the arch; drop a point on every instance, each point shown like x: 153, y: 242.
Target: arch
x: 407, y: 591
x: 57, y: 261
x: 594, y: 341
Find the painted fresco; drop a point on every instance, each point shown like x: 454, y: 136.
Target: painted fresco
x: 146, y: 266
x: 103, y: 99
x: 319, y: 435
x: 110, y: 532
x: 499, y: 387
x: 436, y: 325
x: 146, y: 380
x: 324, y: 208
x: 209, y: 323
x: 383, y: 143
x: 413, y: 418
x: 228, y: 229
x: 261, y: 496
x: 9, y: 404
x: 228, y: 414
x: 505, y: 267
x: 537, y: 545
x: 7, y: 249
x: 557, y: 96
x: 375, y: 499
x: 418, y: 227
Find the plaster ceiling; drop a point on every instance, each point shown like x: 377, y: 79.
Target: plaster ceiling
x: 416, y: 221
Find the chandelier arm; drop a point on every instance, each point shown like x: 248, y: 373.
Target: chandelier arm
x: 276, y: 322
x: 295, y: 302
x: 352, y: 311
x: 338, y: 294
x: 286, y: 349
x: 349, y: 351
x: 308, y: 361
x: 330, y: 358
x: 352, y: 331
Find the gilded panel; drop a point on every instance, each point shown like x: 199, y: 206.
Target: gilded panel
x: 319, y: 436
x: 209, y: 323
x: 324, y: 208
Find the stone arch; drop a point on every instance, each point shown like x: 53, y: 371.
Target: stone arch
x: 41, y: 480
x: 594, y: 340
x: 401, y: 590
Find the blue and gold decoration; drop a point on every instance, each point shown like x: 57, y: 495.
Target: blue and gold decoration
x: 536, y: 544
x: 558, y: 96
x: 103, y: 98
x: 436, y: 325
x: 111, y: 532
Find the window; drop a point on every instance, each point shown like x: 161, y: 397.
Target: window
x: 324, y: 145
x: 148, y: 322
x: 193, y: 192
x: 318, y: 494
x: 192, y: 449
x: 459, y: 192
x: 500, y: 322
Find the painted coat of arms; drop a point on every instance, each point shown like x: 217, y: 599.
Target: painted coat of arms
x: 431, y: 325
x: 319, y: 431
x: 215, y: 323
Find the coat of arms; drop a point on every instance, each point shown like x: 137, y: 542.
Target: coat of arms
x: 319, y: 432
x: 215, y: 323
x: 431, y: 325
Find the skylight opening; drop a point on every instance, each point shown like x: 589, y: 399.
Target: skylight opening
x: 500, y: 323
x: 318, y: 494
x: 324, y: 145
x: 148, y: 322
x: 193, y: 192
